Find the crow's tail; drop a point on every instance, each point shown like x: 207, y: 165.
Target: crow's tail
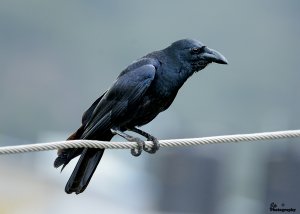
x: 64, y: 156
x: 86, y: 165
x: 84, y: 170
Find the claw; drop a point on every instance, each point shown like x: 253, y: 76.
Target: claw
x: 141, y: 144
x: 149, y: 137
x: 137, y: 151
x: 155, y: 146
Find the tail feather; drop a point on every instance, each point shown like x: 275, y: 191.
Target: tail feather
x: 66, y: 155
x: 89, y: 159
x: 84, y: 170
x: 86, y: 164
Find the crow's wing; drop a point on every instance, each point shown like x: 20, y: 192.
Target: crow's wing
x: 88, y: 113
x: 126, y: 92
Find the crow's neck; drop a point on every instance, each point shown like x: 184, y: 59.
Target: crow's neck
x: 171, y: 73
x: 169, y: 79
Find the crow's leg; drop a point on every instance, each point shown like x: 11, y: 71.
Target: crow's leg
x: 149, y: 137
x: 141, y: 144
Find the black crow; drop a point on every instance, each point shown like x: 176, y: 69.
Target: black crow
x: 145, y: 88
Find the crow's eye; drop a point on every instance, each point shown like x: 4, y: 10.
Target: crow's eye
x: 195, y: 50
x: 198, y: 50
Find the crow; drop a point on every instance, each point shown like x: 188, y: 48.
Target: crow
x: 145, y: 88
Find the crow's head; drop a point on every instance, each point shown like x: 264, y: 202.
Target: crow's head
x: 194, y: 54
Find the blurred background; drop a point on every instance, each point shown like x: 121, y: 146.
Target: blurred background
x: 57, y: 57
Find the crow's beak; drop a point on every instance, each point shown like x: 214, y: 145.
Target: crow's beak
x: 214, y: 56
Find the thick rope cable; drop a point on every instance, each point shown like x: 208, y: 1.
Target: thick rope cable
x: 163, y: 143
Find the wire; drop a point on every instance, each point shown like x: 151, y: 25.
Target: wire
x: 163, y: 143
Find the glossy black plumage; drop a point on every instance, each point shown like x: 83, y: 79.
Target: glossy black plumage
x: 144, y: 89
